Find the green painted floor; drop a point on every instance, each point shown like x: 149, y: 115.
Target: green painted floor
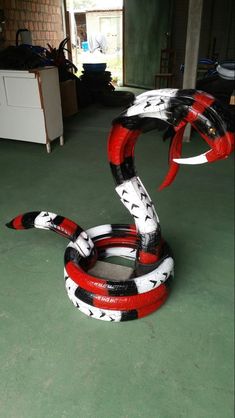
x: 58, y: 363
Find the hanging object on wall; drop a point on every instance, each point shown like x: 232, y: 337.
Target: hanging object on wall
x: 23, y: 36
x: 148, y: 287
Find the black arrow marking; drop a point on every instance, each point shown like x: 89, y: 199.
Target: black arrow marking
x: 147, y: 217
x: 147, y: 105
x: 134, y: 206
x: 123, y: 192
x: 153, y: 281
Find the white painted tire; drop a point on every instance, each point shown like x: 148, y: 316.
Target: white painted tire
x: 226, y: 70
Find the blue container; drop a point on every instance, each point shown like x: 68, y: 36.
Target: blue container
x: 94, y: 67
x: 85, y: 46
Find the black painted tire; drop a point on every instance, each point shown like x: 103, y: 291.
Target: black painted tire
x: 117, y: 98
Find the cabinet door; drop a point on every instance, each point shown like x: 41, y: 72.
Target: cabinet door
x: 22, y: 92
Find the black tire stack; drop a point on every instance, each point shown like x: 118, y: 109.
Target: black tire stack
x: 98, y: 83
x: 96, y: 80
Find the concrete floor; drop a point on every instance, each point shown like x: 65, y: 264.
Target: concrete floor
x: 58, y: 363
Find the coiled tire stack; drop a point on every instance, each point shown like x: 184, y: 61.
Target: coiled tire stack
x: 107, y: 300
x: 112, y: 300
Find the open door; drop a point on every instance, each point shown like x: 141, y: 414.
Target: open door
x: 95, y: 30
x: 147, y: 25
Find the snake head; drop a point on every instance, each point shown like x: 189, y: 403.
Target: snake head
x: 215, y: 125
x: 173, y: 108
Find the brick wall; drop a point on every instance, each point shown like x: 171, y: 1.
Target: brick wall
x: 42, y: 17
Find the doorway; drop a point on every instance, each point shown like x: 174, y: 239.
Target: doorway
x: 96, y: 28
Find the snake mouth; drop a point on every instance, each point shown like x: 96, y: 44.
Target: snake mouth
x: 203, y: 158
x: 198, y: 159
x: 221, y: 149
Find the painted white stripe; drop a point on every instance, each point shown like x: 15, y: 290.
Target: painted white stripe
x: 99, y: 230
x: 103, y: 314
x: 123, y: 252
x: 155, y: 93
x: 156, y: 277
x: 135, y: 198
x: 154, y: 103
x: 44, y: 220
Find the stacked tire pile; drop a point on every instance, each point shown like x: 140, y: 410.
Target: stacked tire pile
x: 96, y: 80
x: 98, y: 83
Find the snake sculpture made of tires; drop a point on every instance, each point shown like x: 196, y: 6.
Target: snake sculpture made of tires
x: 148, y: 287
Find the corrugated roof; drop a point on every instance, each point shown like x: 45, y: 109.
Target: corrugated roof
x: 101, y: 10
x: 101, y: 6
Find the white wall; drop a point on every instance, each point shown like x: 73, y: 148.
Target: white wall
x: 109, y: 23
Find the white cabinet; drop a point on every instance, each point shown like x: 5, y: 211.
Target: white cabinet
x: 30, y: 106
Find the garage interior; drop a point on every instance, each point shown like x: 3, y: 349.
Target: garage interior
x: 175, y: 363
